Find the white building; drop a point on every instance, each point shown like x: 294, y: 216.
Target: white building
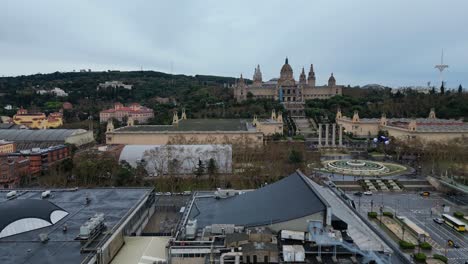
x: 114, y: 84
x: 184, y: 159
x: 56, y: 91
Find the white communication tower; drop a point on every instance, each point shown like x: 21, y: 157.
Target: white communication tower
x: 441, y: 67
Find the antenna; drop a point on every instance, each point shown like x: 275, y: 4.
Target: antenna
x: 441, y: 67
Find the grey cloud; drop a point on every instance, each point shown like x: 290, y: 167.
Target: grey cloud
x: 388, y: 42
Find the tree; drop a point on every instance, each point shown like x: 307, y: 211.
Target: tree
x: 442, y: 88
x: 200, y: 170
x: 460, y: 89
x: 212, y: 167
x: 295, y: 156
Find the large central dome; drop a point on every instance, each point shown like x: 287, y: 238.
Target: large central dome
x: 286, y: 72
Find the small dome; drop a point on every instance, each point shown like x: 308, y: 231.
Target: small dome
x: 332, y: 79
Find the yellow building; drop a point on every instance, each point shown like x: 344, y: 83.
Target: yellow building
x: 196, y: 131
x: 7, y: 147
x: 37, y: 120
x: 425, y: 129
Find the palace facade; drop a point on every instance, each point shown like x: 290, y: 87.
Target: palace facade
x: 291, y: 93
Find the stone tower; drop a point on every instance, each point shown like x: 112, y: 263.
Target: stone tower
x: 273, y: 114
x: 110, y: 126
x: 302, y: 77
x: 175, y: 118
x: 279, y: 118
x: 412, y: 125
x: 432, y: 114
x: 130, y: 121
x: 311, y: 77
x: 184, y: 116
x: 383, y: 120
x: 338, y: 113
x: 257, y: 77
x: 356, y: 117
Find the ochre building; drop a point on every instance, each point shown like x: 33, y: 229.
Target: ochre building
x: 425, y: 129
x: 38, y: 120
x: 286, y: 89
x: 197, y: 131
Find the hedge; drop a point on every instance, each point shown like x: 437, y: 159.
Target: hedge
x: 425, y: 245
x: 372, y: 214
x: 440, y: 257
x: 420, y: 257
x: 458, y: 214
x: 389, y: 214
x: 406, y: 245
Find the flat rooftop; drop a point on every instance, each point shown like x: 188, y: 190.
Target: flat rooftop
x: 115, y: 203
x: 290, y: 198
x: 192, y: 125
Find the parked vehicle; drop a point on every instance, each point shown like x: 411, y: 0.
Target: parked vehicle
x: 358, y: 193
x: 438, y: 220
x: 425, y: 193
x: 368, y: 193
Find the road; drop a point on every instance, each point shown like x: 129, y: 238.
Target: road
x: 422, y: 210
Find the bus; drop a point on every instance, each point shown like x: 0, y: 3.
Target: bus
x: 454, y: 222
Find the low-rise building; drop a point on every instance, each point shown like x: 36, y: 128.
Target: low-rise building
x: 38, y: 120
x: 44, y: 138
x: 40, y: 159
x: 185, y: 131
x: 120, y: 112
x: 114, y: 85
x: 7, y: 147
x: 12, y: 169
x: 55, y: 91
x: 425, y: 129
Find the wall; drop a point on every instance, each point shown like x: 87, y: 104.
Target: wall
x: 163, y: 138
x: 404, y: 134
x: 269, y: 129
x: 359, y: 129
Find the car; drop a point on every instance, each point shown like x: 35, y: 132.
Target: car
x: 424, y: 193
x: 368, y: 193
x: 358, y: 193
x: 438, y: 220
x: 168, y: 194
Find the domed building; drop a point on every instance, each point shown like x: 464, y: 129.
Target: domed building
x: 285, y: 88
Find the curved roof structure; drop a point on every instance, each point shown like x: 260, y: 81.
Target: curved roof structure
x: 38, y: 135
x: 23, y: 215
x: 290, y: 198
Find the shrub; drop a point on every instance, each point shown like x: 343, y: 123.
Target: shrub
x: 406, y: 244
x: 389, y: 214
x: 440, y: 257
x: 420, y: 257
x: 299, y: 137
x: 372, y: 214
x: 425, y: 245
x: 458, y: 214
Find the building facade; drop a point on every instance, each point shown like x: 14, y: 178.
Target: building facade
x: 120, y: 112
x: 11, y: 171
x: 40, y: 159
x: 425, y: 129
x: 7, y: 147
x: 286, y: 89
x: 38, y: 120
x: 185, y: 131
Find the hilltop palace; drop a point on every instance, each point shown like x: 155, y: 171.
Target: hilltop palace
x: 290, y: 93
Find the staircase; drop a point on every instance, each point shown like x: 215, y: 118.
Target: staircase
x: 304, y: 126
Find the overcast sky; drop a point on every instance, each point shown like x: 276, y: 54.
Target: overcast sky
x: 395, y: 42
